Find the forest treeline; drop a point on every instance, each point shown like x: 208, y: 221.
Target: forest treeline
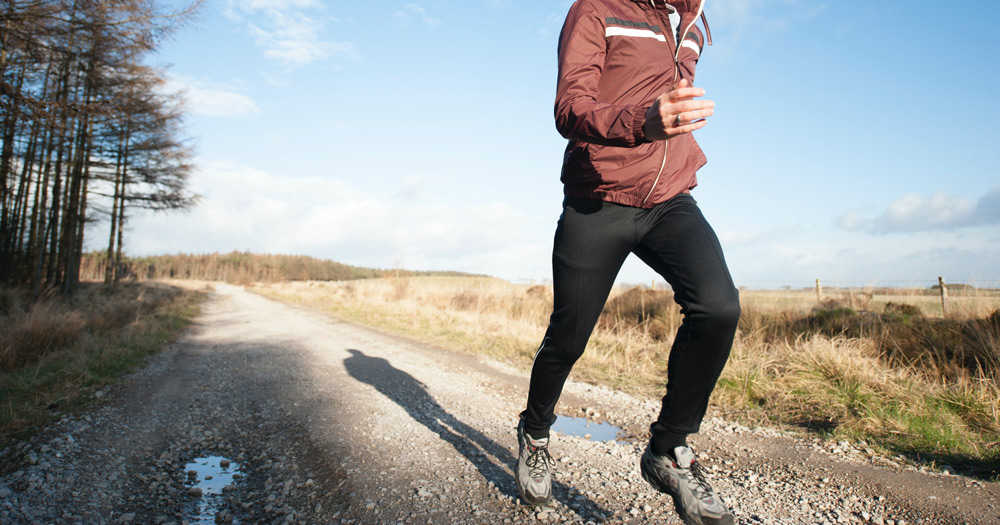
x: 238, y: 268
x: 87, y: 132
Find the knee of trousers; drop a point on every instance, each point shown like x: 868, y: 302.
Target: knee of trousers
x: 560, y: 354
x: 723, y: 313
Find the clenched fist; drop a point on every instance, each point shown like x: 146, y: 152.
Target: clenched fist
x: 677, y: 112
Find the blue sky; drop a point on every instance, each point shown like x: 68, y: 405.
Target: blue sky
x: 852, y: 141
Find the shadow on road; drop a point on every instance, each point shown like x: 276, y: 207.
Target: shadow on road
x: 410, y: 394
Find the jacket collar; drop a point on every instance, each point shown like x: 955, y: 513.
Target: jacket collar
x: 682, y: 6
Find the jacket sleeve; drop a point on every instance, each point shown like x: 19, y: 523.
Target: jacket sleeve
x: 578, y: 112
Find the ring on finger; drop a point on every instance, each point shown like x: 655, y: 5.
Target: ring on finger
x: 677, y: 120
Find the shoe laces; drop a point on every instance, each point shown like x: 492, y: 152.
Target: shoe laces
x: 702, y: 488
x: 538, y: 460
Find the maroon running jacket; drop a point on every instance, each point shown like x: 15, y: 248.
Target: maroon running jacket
x: 615, y: 58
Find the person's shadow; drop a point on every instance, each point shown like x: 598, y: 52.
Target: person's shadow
x: 410, y: 394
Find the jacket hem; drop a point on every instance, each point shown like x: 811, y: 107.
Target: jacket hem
x: 616, y: 197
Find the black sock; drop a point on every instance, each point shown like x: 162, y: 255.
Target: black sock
x: 664, y: 443
x: 537, y: 434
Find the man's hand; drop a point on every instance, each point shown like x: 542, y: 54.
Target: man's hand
x: 677, y: 112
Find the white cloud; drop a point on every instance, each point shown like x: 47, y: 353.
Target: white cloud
x: 853, y: 220
x: 419, y: 13
x: 247, y: 209
x: 913, y: 213
x: 211, y: 99
x: 287, y: 31
x: 853, y: 261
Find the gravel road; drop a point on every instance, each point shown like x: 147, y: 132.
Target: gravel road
x: 298, y: 417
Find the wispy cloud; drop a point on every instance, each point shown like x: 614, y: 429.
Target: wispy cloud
x: 281, y: 5
x: 552, y: 23
x: 913, y: 213
x: 211, y: 99
x: 415, y: 11
x: 288, y: 32
x: 738, y: 20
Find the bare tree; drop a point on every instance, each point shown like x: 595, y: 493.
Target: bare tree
x: 81, y: 117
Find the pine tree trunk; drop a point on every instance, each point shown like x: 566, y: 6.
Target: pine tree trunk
x: 117, y: 200
x: 118, y: 252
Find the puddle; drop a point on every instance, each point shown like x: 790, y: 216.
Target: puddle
x: 582, y: 427
x: 211, y: 476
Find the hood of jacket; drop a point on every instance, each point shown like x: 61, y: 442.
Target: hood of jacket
x: 689, y: 10
x: 682, y: 6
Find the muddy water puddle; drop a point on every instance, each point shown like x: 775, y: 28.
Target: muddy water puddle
x: 208, y: 479
x: 592, y: 430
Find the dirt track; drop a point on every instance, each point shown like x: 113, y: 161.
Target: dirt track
x: 326, y: 421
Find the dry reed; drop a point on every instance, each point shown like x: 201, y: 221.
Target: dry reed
x: 29, y: 330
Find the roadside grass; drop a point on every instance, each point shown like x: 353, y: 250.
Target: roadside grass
x: 839, y: 388
x: 55, y: 353
x: 877, y: 368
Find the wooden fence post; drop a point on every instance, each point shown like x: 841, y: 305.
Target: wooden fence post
x: 944, y: 297
x: 819, y: 291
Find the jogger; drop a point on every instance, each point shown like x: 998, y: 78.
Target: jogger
x: 626, y: 102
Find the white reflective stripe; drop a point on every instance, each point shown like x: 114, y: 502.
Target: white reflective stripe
x: 630, y: 31
x: 690, y: 44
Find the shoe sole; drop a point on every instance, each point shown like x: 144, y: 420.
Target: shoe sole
x: 535, y: 503
x: 685, y: 517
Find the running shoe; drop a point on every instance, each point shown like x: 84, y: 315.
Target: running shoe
x: 684, y: 480
x: 534, y: 477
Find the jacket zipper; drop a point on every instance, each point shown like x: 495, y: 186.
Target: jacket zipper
x: 677, y: 70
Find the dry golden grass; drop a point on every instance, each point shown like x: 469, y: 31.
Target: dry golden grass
x: 32, y: 329
x: 962, y: 302
x: 44, y: 327
x: 784, y: 368
x: 483, y: 315
x: 56, y: 352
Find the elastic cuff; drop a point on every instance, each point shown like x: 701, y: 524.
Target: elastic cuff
x: 638, y: 120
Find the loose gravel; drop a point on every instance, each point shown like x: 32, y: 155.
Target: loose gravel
x: 321, y: 421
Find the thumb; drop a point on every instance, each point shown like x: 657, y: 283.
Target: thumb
x: 683, y: 83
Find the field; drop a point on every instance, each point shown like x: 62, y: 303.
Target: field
x: 880, y: 366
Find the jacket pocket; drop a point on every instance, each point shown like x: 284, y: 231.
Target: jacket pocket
x: 609, y: 157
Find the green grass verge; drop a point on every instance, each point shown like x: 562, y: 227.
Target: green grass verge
x: 899, y: 416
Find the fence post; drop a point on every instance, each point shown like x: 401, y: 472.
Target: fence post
x: 944, y: 297
x: 819, y: 291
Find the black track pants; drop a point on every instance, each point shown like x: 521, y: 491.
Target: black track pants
x: 592, y: 240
